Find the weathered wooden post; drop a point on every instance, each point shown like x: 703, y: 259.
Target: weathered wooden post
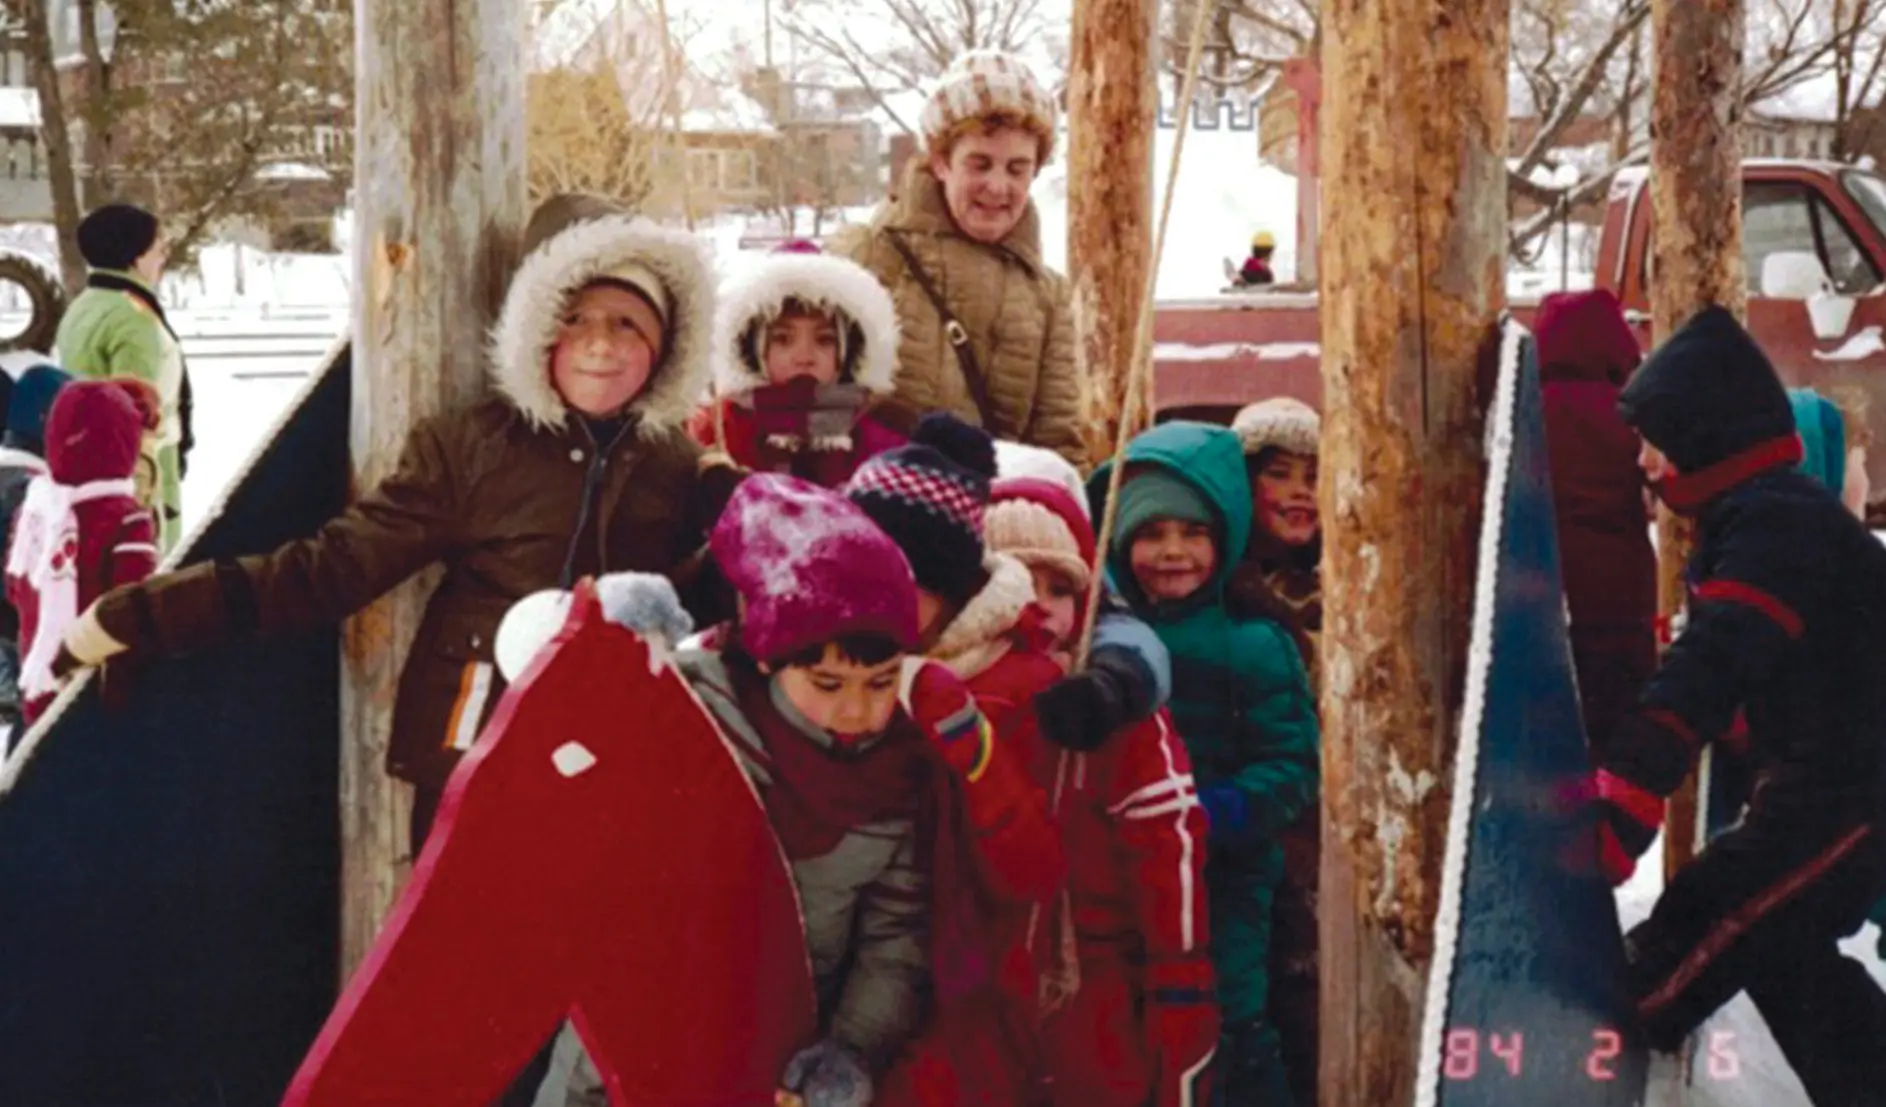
x: 1304, y: 77
x: 1412, y: 256
x: 1696, y: 240
x: 1112, y: 107
x: 439, y: 194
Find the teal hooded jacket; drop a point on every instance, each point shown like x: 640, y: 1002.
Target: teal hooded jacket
x: 1823, y: 437
x: 1240, y: 694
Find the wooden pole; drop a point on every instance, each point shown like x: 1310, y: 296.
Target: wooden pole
x: 1696, y: 239
x: 1304, y: 77
x: 1412, y: 256
x: 439, y: 193
x: 1112, y: 107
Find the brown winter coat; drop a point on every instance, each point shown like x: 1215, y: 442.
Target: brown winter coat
x: 1014, y: 307
x: 493, y: 492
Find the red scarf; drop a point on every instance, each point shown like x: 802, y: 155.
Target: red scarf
x: 816, y: 798
x: 818, y: 794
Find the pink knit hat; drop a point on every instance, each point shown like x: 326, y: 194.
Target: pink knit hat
x: 810, y: 567
x: 1041, y: 523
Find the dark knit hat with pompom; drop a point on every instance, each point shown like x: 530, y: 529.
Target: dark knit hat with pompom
x: 929, y: 496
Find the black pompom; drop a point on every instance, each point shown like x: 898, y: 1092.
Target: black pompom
x: 968, y: 446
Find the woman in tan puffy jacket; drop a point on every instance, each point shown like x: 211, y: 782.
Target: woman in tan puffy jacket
x: 961, y: 245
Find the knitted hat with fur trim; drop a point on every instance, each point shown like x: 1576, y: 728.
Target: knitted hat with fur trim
x: 1281, y: 421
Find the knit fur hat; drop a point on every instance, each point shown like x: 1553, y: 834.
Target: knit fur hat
x: 810, y: 567
x: 930, y: 496
x: 798, y: 274
x: 1282, y: 422
x: 1039, y: 522
x: 986, y: 82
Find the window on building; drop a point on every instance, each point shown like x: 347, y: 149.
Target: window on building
x: 738, y: 171
x: 1779, y: 218
x: 704, y: 168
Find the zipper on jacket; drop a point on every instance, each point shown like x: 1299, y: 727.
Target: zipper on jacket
x: 592, y: 476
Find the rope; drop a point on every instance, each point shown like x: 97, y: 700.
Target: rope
x: 1142, y: 367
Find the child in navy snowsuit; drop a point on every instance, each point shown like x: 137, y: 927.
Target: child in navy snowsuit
x: 1787, y: 594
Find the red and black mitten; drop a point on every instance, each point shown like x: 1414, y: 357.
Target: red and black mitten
x: 1181, y: 1029
x: 1629, y: 817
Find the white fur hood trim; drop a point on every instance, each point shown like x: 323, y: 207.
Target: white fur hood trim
x: 762, y: 287
x: 990, y: 614
x: 574, y: 256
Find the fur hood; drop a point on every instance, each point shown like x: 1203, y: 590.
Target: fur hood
x: 572, y: 257
x: 759, y: 292
x: 976, y: 638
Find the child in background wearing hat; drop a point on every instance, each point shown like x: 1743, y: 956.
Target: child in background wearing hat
x: 81, y: 528
x: 1242, y: 703
x: 117, y: 328
x: 1282, y: 578
x: 1256, y: 271
x: 22, y: 457
x: 1144, y: 1023
x: 803, y: 343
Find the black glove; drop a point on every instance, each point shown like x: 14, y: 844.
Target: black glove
x: 1080, y: 711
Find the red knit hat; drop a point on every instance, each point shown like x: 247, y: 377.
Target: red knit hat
x: 810, y: 567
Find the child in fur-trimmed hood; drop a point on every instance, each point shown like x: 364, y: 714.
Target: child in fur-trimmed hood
x: 803, y: 344
x: 575, y: 465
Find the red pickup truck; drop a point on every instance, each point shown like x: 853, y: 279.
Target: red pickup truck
x: 1213, y: 356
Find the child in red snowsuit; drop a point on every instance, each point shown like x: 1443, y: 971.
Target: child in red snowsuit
x: 1010, y: 955
x: 1143, y: 1024
x: 80, y: 530
x: 803, y: 343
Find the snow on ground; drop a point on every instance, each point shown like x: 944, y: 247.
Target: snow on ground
x: 1749, y: 1070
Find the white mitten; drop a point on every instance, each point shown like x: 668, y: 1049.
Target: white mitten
x: 645, y: 603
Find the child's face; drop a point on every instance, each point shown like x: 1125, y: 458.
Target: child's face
x: 1172, y: 558
x: 602, y: 359
x: 800, y: 344
x: 852, y: 702
x: 1285, y: 497
x: 1059, y: 598
x: 1857, y: 487
x: 1655, y: 465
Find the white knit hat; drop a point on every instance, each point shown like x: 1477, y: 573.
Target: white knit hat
x: 1034, y: 535
x: 1281, y: 421
x: 984, y: 82
x: 644, y: 280
x: 1015, y: 459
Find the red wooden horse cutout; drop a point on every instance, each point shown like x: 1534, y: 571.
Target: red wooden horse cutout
x: 598, y: 855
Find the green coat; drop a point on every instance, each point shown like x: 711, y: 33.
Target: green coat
x: 108, y: 333
x: 1241, y: 700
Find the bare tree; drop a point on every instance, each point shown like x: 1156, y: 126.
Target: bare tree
x: 1859, y: 81
x: 600, y: 109
x: 187, y: 103
x: 1584, y: 60
x: 29, y: 16
x: 260, y: 78
x: 886, y: 46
